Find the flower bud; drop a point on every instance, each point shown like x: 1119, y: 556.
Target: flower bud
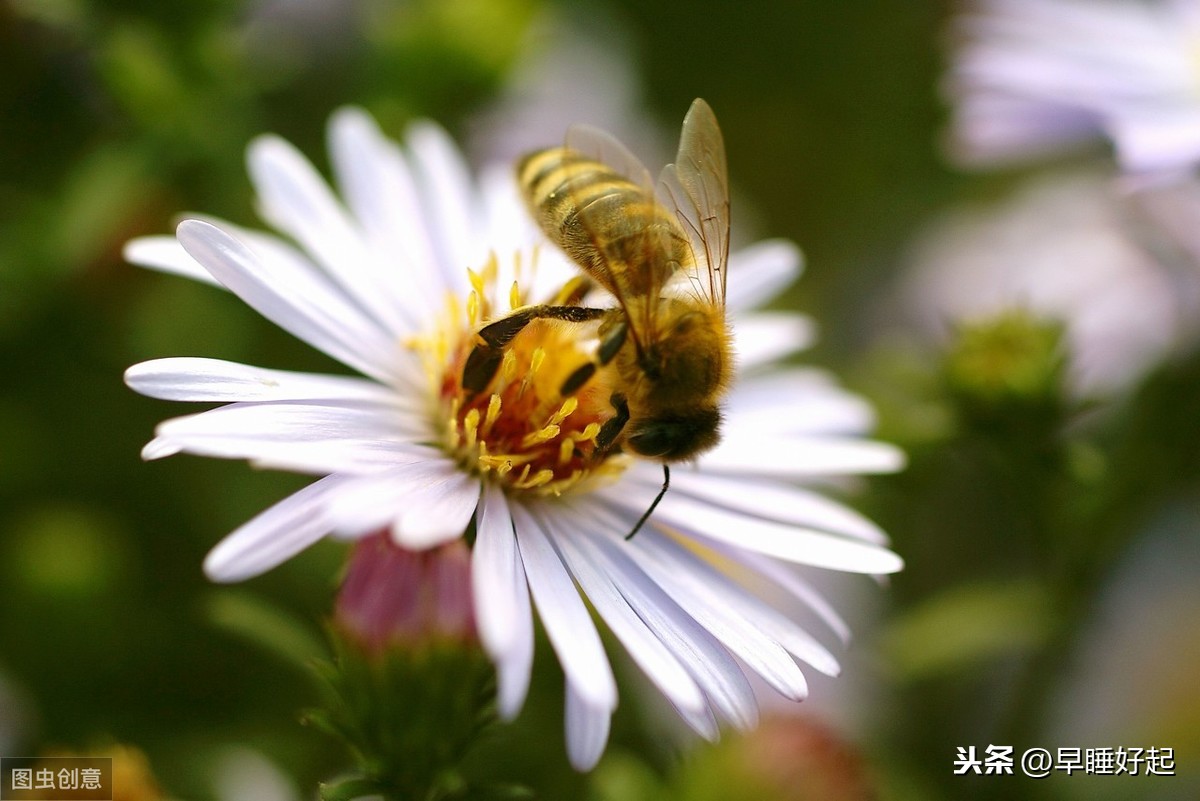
x: 395, y: 596
x: 412, y: 689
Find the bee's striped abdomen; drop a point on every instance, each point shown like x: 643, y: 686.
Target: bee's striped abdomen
x: 610, y: 226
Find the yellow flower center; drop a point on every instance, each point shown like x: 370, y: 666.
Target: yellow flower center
x: 520, y: 430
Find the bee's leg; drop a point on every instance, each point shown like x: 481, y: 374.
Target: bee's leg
x: 614, y: 425
x: 604, y: 442
x: 484, y: 360
x: 646, y: 515
x: 609, y: 346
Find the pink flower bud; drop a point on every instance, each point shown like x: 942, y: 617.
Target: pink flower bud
x: 395, y: 596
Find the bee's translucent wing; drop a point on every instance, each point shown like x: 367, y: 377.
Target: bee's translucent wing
x: 639, y: 243
x: 607, y: 149
x: 697, y: 187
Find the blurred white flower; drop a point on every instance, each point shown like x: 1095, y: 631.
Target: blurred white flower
x: 243, y: 774
x: 1059, y: 246
x: 577, y: 69
x: 394, y: 284
x: 1133, y: 682
x: 1030, y: 77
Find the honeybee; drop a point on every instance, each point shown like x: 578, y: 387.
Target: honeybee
x: 663, y: 256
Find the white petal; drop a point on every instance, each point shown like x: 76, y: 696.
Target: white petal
x: 566, y: 619
x: 195, y: 379
x: 348, y: 456
x: 760, y: 272
x: 785, y: 577
x: 764, y: 499
x: 542, y: 268
x: 502, y: 610
x: 708, y: 662
x: 797, y: 400
x: 587, y: 729
x: 379, y: 188
x: 448, y: 194
x: 708, y: 605
x: 295, y: 199
x: 513, y: 669
x: 352, y: 457
x: 659, y: 664
x: 711, y: 608
x: 724, y: 590
x: 781, y: 540
x: 729, y: 595
x: 763, y: 337
x: 311, y: 311
x: 438, y: 513
x: 1152, y: 142
x: 271, y: 431
x: 792, y: 456
x: 385, y: 497
x: 274, y: 536
x: 164, y: 253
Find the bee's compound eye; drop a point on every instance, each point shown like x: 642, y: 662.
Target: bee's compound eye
x: 653, y: 439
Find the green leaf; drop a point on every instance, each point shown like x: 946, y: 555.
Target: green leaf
x: 266, y: 626
x: 348, y: 790
x: 968, y: 625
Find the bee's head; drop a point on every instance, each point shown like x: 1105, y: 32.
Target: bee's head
x: 676, y: 435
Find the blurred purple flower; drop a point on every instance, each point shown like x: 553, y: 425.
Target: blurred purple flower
x: 577, y: 69
x: 1031, y: 77
x: 1066, y: 247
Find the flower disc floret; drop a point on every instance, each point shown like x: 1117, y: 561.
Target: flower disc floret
x: 520, y: 431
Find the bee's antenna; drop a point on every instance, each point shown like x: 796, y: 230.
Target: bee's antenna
x: 666, y: 485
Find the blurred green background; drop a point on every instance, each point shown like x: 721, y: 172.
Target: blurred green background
x: 1035, y: 528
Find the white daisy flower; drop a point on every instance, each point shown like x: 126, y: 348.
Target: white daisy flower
x: 392, y: 280
x: 1033, y: 76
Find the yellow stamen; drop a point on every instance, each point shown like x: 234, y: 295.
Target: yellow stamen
x: 563, y: 484
x: 473, y: 309
x: 535, y: 363
x: 538, y: 437
x: 471, y: 426
x: 476, y: 280
x: 566, y: 449
x: 543, y: 476
x: 564, y: 411
x: 522, y: 434
x: 503, y: 462
x: 493, y: 414
x: 568, y: 289
x: 453, y: 432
